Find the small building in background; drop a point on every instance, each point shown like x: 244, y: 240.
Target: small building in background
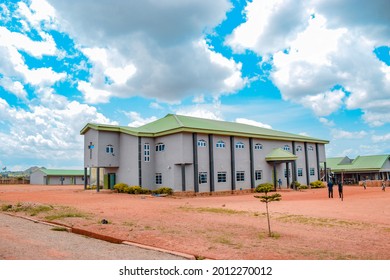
x: 352, y: 171
x: 45, y: 176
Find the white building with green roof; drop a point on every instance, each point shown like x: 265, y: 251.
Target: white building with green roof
x: 373, y: 167
x: 201, y: 155
x: 43, y: 176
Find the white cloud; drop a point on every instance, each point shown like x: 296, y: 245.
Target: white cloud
x: 41, y: 132
x: 326, y: 122
x: 326, y: 49
x: 161, y: 54
x: 137, y: 120
x: 269, y: 26
x: 14, y: 87
x: 205, y: 111
x: 342, y: 134
x: 252, y: 122
x: 381, y: 138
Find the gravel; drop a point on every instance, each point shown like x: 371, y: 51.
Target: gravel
x: 21, y: 239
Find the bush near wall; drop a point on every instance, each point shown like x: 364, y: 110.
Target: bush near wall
x: 124, y: 188
x: 317, y: 184
x: 260, y: 187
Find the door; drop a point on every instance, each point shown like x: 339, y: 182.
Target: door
x: 111, y: 180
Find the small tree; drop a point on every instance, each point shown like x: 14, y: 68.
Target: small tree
x: 266, y: 188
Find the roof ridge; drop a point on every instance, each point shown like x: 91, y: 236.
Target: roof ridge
x: 177, y: 120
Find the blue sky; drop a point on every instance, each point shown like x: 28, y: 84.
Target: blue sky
x: 319, y: 68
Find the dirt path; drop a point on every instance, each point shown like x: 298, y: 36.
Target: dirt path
x: 307, y: 224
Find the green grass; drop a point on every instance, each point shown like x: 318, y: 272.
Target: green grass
x: 323, y: 222
x: 67, y: 213
x: 59, y: 229
x: 31, y: 209
x: 214, y: 210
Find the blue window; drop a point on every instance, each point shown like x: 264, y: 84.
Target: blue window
x: 160, y: 147
x: 286, y: 148
x: 220, y: 144
x: 258, y: 146
x: 109, y: 149
x: 201, y: 143
x: 240, y: 145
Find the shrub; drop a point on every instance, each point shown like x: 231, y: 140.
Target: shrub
x: 120, y: 187
x: 295, y: 185
x: 163, y: 190
x: 303, y: 187
x: 317, y: 184
x: 265, y: 186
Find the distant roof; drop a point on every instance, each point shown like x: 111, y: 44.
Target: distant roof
x: 177, y: 123
x: 360, y: 163
x: 61, y: 172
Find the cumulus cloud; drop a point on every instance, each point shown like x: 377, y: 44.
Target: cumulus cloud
x: 381, y: 138
x: 252, y: 122
x: 42, y: 132
x: 343, y: 134
x: 149, y: 48
x: 322, y: 54
x: 137, y: 120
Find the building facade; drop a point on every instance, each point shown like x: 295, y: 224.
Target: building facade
x: 352, y: 171
x: 45, y: 176
x: 201, y: 155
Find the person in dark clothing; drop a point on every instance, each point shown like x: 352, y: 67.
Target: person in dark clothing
x: 330, y: 189
x: 340, y: 185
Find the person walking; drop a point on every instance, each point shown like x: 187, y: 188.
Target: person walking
x: 340, y: 185
x: 383, y: 185
x: 364, y: 184
x: 330, y: 189
x: 280, y: 183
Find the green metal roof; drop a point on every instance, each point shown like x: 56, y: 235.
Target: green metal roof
x: 280, y: 155
x: 361, y: 163
x: 177, y: 123
x: 62, y: 172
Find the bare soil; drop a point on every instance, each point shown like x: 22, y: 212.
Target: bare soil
x: 306, y: 225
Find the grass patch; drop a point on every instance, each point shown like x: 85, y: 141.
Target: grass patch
x: 59, y: 229
x: 322, y: 222
x: 66, y: 213
x: 214, y: 210
x: 28, y: 208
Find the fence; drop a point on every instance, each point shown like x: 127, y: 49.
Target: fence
x: 14, y: 181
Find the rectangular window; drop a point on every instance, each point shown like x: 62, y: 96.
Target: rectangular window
x: 160, y: 147
x: 300, y: 172
x: 312, y: 172
x: 202, y: 177
x: 240, y: 176
x: 221, y: 177
x: 158, y: 179
x: 258, y: 174
x: 147, y: 152
x: 285, y: 173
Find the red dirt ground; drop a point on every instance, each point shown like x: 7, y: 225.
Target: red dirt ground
x: 306, y: 224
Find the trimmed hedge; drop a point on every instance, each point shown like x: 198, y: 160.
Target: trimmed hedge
x: 317, y: 184
x: 264, y: 187
x: 124, y: 188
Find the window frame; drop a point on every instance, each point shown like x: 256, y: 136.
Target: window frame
x: 202, y: 143
x: 240, y: 176
x: 221, y: 176
x: 109, y: 149
x: 258, y: 146
x: 220, y: 144
x: 147, y: 152
x: 258, y: 175
x: 160, y: 147
x: 300, y: 172
x: 312, y: 171
x: 202, y: 177
x: 158, y: 178
x: 240, y: 145
x: 286, y: 148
